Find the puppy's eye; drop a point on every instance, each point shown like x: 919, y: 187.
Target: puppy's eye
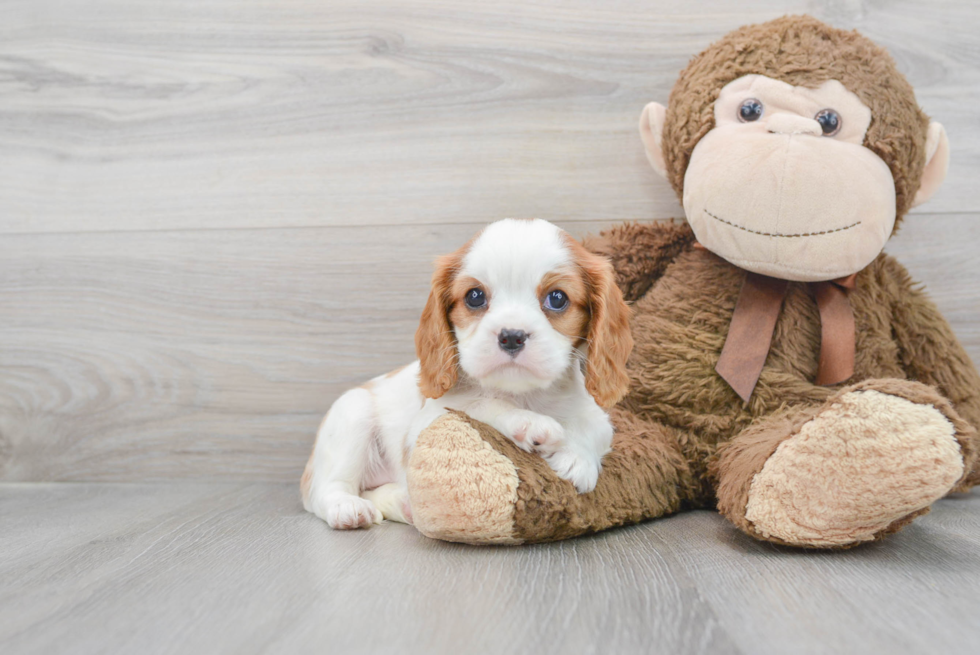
x: 750, y: 110
x: 556, y: 300
x: 829, y: 120
x: 475, y: 298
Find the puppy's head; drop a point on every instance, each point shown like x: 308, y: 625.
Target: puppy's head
x: 518, y: 305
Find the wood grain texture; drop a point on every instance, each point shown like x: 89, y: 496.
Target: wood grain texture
x: 136, y: 114
x: 240, y: 568
x: 137, y: 356
x: 216, y: 216
x: 148, y: 356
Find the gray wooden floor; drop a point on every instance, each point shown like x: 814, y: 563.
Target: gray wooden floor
x: 217, y: 215
x: 240, y: 568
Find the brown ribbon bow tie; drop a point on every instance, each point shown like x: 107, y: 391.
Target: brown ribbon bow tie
x: 754, y: 320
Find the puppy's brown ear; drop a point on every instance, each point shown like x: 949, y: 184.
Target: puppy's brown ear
x: 435, y: 343
x: 609, y: 338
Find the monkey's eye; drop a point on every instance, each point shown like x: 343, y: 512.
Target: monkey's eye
x: 556, y: 300
x: 475, y: 298
x: 750, y: 110
x: 829, y: 120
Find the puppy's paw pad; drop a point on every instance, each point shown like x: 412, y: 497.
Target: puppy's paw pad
x: 541, y: 434
x: 347, y: 512
x: 580, y: 471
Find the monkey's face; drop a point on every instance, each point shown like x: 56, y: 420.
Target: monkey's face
x: 800, y: 182
x: 783, y: 186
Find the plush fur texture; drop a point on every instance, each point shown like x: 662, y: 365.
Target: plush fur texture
x: 468, y: 483
x: 806, y: 494
x: 447, y: 499
x: 802, y: 51
x: 787, y: 481
x: 798, y: 464
x: 685, y: 440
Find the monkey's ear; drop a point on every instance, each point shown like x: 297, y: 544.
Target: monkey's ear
x: 651, y: 131
x: 937, y: 163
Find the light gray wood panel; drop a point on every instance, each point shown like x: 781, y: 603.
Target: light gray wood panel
x: 241, y: 568
x: 941, y: 253
x: 214, y: 354
x: 136, y: 114
x: 206, y: 568
x: 914, y: 592
x: 136, y: 355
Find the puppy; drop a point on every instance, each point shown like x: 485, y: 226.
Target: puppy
x: 524, y: 330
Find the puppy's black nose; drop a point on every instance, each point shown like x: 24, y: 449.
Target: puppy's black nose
x: 512, y: 340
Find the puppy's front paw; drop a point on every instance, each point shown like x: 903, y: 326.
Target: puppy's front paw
x: 583, y: 472
x: 535, y: 432
x: 348, y: 512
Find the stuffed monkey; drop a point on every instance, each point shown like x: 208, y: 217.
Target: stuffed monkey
x: 785, y: 371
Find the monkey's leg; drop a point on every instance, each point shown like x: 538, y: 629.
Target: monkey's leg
x: 861, y: 466
x: 931, y: 353
x: 469, y: 483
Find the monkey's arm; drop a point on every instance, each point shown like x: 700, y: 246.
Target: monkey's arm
x: 640, y: 253
x: 929, y: 350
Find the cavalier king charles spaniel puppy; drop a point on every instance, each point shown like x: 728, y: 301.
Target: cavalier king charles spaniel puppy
x: 524, y: 330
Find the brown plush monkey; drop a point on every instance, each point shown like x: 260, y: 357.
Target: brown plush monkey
x: 785, y: 370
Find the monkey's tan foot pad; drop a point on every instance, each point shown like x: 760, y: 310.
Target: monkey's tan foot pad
x: 461, y: 488
x: 469, y: 483
x: 863, y: 467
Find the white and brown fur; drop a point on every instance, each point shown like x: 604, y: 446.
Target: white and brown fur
x: 547, y: 397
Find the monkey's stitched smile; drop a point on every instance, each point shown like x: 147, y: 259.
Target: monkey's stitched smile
x: 778, y: 234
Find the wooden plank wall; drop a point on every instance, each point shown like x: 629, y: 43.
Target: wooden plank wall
x: 217, y: 215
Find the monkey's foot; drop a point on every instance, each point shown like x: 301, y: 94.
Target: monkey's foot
x: 863, y: 467
x: 469, y: 483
